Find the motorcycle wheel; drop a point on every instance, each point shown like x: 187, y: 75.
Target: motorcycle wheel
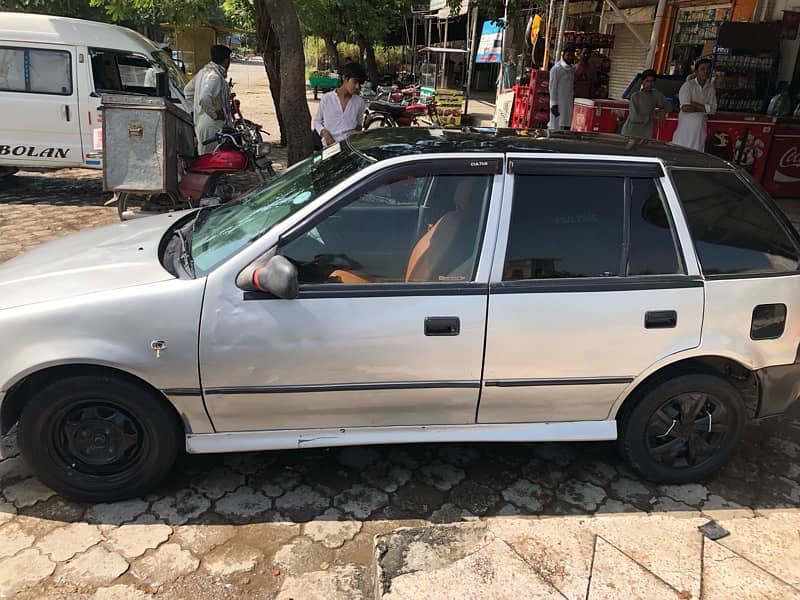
x: 133, y: 206
x: 376, y: 121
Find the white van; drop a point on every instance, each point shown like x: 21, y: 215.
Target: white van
x: 52, y: 73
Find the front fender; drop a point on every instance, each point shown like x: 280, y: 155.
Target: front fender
x: 113, y: 329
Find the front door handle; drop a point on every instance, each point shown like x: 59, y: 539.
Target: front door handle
x: 66, y: 112
x: 442, y: 326
x: 660, y: 319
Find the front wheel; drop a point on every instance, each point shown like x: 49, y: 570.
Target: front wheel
x: 376, y: 121
x: 683, y: 430
x: 99, y: 439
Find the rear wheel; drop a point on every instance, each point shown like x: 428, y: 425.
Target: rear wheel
x: 684, y: 430
x: 99, y: 439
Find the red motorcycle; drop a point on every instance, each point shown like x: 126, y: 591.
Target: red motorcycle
x: 393, y: 114
x: 209, y: 179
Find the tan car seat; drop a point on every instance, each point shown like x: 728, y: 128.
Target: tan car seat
x: 443, y: 253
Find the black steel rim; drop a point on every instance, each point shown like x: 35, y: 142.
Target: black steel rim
x: 98, y: 438
x: 687, y: 430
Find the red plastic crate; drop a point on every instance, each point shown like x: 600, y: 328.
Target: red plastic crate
x: 532, y: 102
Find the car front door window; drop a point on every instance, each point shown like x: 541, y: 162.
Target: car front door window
x: 410, y: 229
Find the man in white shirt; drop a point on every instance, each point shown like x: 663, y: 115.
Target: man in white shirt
x: 341, y: 111
x: 209, y: 94
x: 698, y: 99
x: 562, y: 90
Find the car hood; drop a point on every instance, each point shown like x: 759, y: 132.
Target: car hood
x: 95, y: 260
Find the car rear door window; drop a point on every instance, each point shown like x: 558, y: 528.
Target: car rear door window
x: 572, y: 226
x: 565, y: 226
x: 733, y: 230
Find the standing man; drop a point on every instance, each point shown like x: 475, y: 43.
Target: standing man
x: 341, y: 111
x: 561, y: 90
x: 587, y: 79
x: 509, y: 72
x: 209, y: 95
x: 646, y: 104
x: 698, y: 99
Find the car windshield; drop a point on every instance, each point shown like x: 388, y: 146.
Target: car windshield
x: 221, y: 233
x: 174, y: 73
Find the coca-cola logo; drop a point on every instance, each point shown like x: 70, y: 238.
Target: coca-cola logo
x: 790, y: 158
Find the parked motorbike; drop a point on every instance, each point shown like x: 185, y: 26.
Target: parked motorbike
x: 393, y: 114
x: 209, y: 179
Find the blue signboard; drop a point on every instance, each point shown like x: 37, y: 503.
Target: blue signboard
x: 490, y: 45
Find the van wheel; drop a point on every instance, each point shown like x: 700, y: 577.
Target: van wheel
x: 99, y: 439
x: 684, y: 430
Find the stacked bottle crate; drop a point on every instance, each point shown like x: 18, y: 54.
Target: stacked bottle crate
x: 532, y: 102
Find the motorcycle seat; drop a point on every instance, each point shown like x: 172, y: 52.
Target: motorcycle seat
x: 390, y: 108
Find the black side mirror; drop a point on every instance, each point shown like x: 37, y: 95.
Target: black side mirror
x: 278, y: 277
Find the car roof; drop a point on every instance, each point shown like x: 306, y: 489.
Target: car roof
x: 390, y: 142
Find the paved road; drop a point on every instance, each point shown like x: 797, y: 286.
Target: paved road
x: 263, y: 525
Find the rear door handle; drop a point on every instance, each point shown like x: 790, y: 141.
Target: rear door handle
x: 442, y: 326
x: 660, y: 319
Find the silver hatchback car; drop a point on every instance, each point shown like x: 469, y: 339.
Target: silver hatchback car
x: 413, y: 285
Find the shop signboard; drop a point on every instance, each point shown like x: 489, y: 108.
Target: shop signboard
x: 490, y: 45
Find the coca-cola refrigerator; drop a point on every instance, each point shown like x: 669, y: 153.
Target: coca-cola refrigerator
x: 782, y: 173
x: 741, y: 138
x: 602, y: 116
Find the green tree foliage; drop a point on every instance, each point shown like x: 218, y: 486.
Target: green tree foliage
x: 150, y: 12
x: 240, y: 14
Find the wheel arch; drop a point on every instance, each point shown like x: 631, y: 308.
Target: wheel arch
x: 732, y: 370
x: 20, y: 393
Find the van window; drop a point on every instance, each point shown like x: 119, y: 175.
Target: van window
x: 37, y: 71
x: 733, y: 229
x: 116, y: 71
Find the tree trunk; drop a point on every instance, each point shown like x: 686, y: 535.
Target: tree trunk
x: 332, y: 51
x: 270, y: 52
x: 368, y: 50
x: 293, y: 102
x: 272, y: 64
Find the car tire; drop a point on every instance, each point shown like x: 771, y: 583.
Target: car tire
x: 659, y: 446
x: 99, y: 439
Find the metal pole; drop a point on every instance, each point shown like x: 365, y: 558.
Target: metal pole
x: 548, y: 35
x: 471, y: 58
x: 561, y: 27
x: 443, y: 80
x: 414, y: 47
x: 502, y: 51
x: 659, y: 22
